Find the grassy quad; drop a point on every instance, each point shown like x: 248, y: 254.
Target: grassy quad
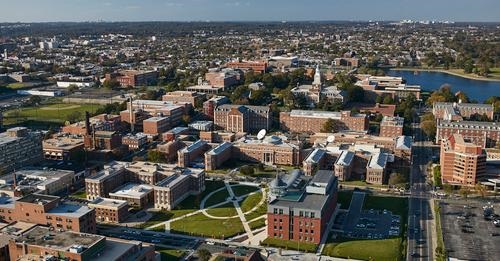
x: 201, y: 225
x: 261, y: 222
x: 54, y: 113
x: 217, y: 197
x: 226, y: 210
x: 250, y: 202
x: 167, y: 254
x: 290, y: 245
x: 240, y: 190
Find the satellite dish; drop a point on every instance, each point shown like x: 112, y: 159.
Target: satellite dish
x: 262, y: 133
x: 330, y: 139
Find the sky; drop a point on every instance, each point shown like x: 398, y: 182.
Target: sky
x: 248, y: 10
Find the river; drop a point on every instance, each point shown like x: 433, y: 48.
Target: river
x: 475, y: 89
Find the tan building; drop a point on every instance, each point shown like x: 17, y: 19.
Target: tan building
x: 210, y: 105
x: 194, y: 98
x: 376, y: 169
x: 256, y: 66
x: 41, y: 181
x: 387, y: 85
x: 484, y: 134
x: 105, y: 181
x: 110, y: 210
x: 191, y: 152
x: 170, y: 149
x: 218, y: 155
x: 272, y: 150
x: 343, y: 165
x: 462, y: 162
x: 175, y: 188
x: 137, y: 195
x: 391, y: 126
x: 217, y: 136
x: 135, y: 141
x: 63, y: 148
x: 458, y: 111
x: 19, y: 147
x: 242, y: 118
x: 224, y: 78
x: 313, y: 121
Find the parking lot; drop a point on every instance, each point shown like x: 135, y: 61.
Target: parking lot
x: 369, y: 224
x: 467, y: 234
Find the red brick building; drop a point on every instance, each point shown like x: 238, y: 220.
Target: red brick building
x: 304, y: 215
x: 110, y: 210
x: 242, y: 118
x: 156, y: 125
x: 484, y: 134
x: 462, y: 162
x: 256, y: 66
x: 391, y: 126
x: 313, y: 121
x: 134, y: 77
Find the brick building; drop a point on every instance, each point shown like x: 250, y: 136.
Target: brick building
x: 242, y: 118
x: 156, y: 125
x: 218, y: 155
x: 63, y: 148
x: 134, y: 77
x: 19, y: 147
x: 484, y: 134
x: 135, y: 141
x: 210, y: 105
x: 313, y: 121
x: 41, y: 243
x: 256, y: 66
x: 194, y: 98
x: 391, y: 126
x: 377, y: 168
x: 175, y: 188
x: 103, y: 140
x: 343, y: 165
x: 136, y: 195
x: 191, y: 152
x: 48, y: 210
x: 110, y: 210
x: 459, y: 111
x: 224, y: 78
x: 302, y: 214
x: 272, y: 150
x: 102, y: 122
x: 462, y: 162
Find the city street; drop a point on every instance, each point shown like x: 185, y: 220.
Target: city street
x: 420, y: 223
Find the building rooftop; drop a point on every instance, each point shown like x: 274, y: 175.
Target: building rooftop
x: 132, y: 190
x: 196, y: 145
x: 70, y: 210
x: 64, y: 143
x: 62, y: 241
x: 345, y: 158
x: 378, y: 161
x: 108, y: 202
x: 315, y: 156
x: 220, y: 148
x: 404, y: 142
x: 38, y: 199
x: 156, y: 119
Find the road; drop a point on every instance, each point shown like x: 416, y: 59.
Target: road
x: 420, y: 218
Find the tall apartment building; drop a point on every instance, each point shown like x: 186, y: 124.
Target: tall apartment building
x: 313, y: 121
x: 42, y: 243
x: 256, y: 66
x: 458, y: 111
x: 195, y: 98
x: 19, y: 147
x: 462, y: 162
x: 48, y: 210
x: 210, y: 105
x: 391, y: 126
x: 484, y: 134
x: 242, y: 118
x: 134, y: 77
x: 302, y: 214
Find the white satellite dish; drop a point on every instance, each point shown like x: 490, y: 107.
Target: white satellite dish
x: 262, y: 133
x: 330, y: 139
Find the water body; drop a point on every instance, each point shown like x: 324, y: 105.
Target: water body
x: 475, y: 89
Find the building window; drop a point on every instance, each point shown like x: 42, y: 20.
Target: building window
x: 301, y: 214
x: 281, y: 211
x: 312, y: 214
x: 275, y: 211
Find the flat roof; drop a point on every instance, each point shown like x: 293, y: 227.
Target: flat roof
x: 62, y: 241
x: 70, y: 210
x: 37, y: 198
x: 322, y: 176
x: 307, y: 201
x: 132, y: 190
x: 108, y: 202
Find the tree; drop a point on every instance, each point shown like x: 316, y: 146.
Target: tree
x: 156, y: 156
x: 247, y: 170
x: 465, y: 191
x: 34, y: 100
x: 388, y: 100
x: 111, y: 84
x: 355, y: 93
x: 397, y: 179
x: 331, y: 126
x: 428, y: 125
x: 447, y: 188
x: 74, y: 116
x: 72, y: 88
x: 481, y: 189
x: 186, y: 119
x: 203, y: 254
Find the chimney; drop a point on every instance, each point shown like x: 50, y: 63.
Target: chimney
x: 87, y: 122
x: 132, y: 121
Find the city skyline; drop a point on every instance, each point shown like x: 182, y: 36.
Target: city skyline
x: 256, y: 10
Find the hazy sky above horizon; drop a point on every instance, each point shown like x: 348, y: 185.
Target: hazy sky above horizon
x: 248, y: 10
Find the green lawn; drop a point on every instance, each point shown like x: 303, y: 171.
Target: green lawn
x: 168, y: 254
x: 250, y: 202
x: 217, y: 197
x: 361, y: 184
x: 261, y: 210
x: 290, y: 245
x: 384, y: 249
x: 226, y: 210
x: 82, y: 194
x: 344, y: 198
x: 440, y: 248
x: 261, y: 222
x: 17, y: 85
x: 240, y: 190
x: 188, y: 205
x: 54, y: 113
x: 201, y: 225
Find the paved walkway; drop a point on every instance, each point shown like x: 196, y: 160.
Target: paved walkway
x: 248, y: 230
